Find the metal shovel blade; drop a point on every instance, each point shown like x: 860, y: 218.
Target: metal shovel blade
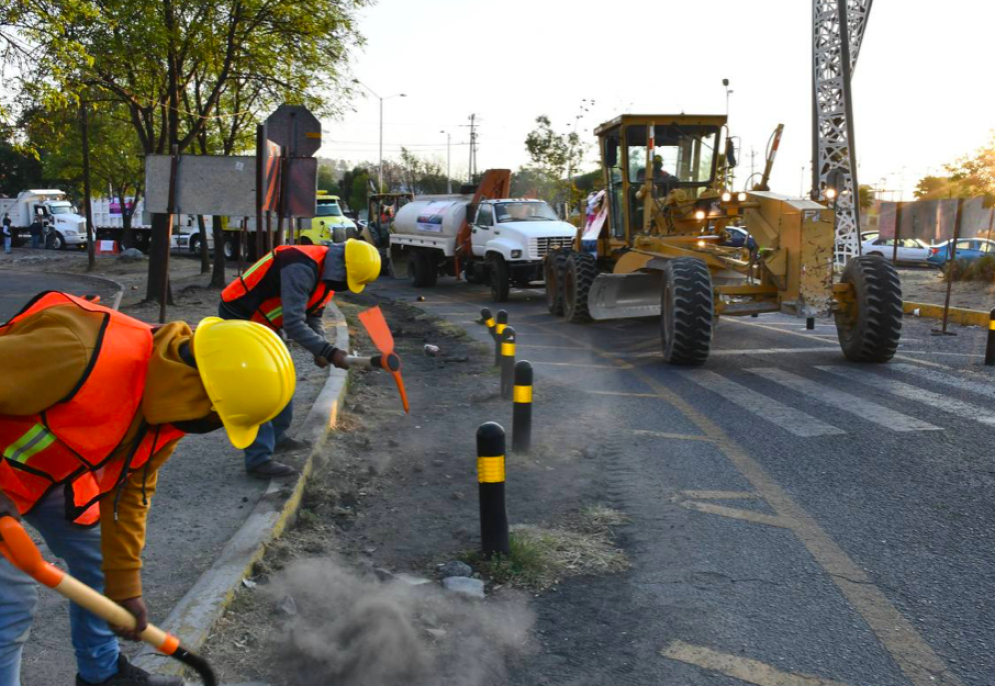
x: 622, y: 296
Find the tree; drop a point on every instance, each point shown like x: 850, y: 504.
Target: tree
x: 866, y: 194
x: 115, y: 161
x: 326, y: 177
x: 975, y: 173
x: 554, y: 158
x: 359, y: 190
x: 940, y: 188
x: 171, y: 62
x: 19, y: 168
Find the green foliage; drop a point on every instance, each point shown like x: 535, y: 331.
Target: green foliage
x: 422, y: 176
x: 940, y: 188
x: 554, y: 159
x: 976, y: 172
x: 326, y: 178
x: 19, y: 169
x: 979, y: 269
x: 866, y: 197
x: 359, y: 191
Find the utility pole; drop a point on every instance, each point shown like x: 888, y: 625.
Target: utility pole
x: 449, y: 176
x: 380, y: 162
x: 753, y: 161
x: 473, y: 147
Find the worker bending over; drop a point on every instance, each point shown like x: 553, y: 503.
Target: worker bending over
x: 288, y: 289
x: 92, y: 403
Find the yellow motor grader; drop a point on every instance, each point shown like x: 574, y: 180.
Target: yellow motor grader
x: 668, y: 238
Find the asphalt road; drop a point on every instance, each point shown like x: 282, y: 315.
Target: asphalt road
x: 16, y: 288
x: 792, y: 513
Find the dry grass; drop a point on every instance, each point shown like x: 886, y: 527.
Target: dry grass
x: 540, y: 558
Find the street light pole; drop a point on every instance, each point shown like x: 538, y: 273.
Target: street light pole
x: 380, y: 162
x: 449, y: 176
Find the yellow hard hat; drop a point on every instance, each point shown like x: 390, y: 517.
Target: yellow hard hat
x: 362, y: 264
x: 247, y: 372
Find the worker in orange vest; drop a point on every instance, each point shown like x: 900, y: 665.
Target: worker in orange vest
x: 288, y: 289
x: 92, y: 403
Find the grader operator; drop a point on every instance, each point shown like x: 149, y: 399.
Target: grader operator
x: 660, y: 242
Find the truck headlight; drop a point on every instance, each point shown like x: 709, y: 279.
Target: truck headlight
x: 741, y: 197
x: 515, y: 254
x: 727, y: 197
x: 699, y: 215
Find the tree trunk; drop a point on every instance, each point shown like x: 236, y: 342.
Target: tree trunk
x: 218, y: 279
x: 205, y: 259
x: 127, y: 236
x: 158, y: 250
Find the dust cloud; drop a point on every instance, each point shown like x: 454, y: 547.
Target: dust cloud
x: 353, y: 630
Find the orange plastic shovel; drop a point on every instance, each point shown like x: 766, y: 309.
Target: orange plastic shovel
x: 21, y: 551
x: 376, y: 326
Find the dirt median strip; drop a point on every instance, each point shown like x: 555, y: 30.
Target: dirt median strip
x: 958, y: 315
x: 196, y: 613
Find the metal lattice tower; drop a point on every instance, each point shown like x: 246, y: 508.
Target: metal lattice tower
x: 834, y: 58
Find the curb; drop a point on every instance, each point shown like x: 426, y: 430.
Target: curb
x: 197, y: 611
x: 117, y: 284
x: 958, y: 315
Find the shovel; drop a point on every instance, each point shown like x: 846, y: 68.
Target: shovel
x: 20, y: 550
x: 376, y: 326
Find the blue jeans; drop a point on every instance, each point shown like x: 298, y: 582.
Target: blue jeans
x: 95, y: 645
x: 270, y: 433
x: 6, y: 244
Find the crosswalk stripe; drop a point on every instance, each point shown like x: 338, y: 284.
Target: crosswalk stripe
x: 788, y: 418
x: 914, y: 393
x: 986, y: 388
x: 846, y: 402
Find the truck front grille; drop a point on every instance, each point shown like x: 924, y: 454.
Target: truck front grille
x: 538, y: 247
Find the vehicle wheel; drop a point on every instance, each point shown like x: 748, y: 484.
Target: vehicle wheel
x: 553, y: 267
x: 195, y: 244
x: 687, y: 311
x: 58, y: 242
x: 424, y: 273
x: 870, y: 325
x: 579, y: 272
x: 498, y: 274
x: 875, y: 254
x: 231, y: 248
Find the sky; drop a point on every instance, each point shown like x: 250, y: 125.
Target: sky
x: 922, y: 89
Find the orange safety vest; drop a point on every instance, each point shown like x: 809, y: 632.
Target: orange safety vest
x: 256, y: 294
x: 72, y: 442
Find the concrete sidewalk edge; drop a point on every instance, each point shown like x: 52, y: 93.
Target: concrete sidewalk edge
x: 958, y: 315
x: 194, y: 616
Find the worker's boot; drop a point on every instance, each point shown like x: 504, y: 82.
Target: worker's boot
x: 271, y: 469
x: 130, y: 675
x: 289, y: 445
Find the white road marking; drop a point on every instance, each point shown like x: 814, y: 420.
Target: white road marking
x: 985, y: 388
x: 865, y: 409
x: 914, y: 393
x: 788, y: 418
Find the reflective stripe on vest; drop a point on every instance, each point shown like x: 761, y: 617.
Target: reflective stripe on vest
x: 256, y: 294
x: 73, y: 441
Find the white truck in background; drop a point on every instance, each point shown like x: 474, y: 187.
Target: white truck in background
x: 485, y: 237
x: 63, y: 226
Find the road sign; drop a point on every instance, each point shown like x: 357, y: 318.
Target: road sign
x: 295, y: 130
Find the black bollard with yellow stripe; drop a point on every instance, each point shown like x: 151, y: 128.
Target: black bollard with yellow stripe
x: 521, y: 414
x: 490, y: 477
x: 499, y: 327
x: 990, y: 347
x: 507, y: 362
x: 487, y: 319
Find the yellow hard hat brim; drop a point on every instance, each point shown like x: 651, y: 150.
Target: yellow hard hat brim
x: 354, y: 286
x: 242, y: 436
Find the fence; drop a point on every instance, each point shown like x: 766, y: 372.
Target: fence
x: 933, y: 220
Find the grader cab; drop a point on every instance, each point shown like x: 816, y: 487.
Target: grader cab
x: 668, y: 238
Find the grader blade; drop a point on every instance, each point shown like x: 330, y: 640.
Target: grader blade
x: 621, y: 296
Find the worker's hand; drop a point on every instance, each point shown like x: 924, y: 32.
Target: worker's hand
x: 135, y: 606
x: 339, y: 359
x: 320, y: 361
x: 8, y: 508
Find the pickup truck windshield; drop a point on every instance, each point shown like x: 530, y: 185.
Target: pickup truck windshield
x: 509, y: 212
x: 328, y: 209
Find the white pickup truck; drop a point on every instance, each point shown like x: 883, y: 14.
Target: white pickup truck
x: 508, y: 238
x: 63, y: 227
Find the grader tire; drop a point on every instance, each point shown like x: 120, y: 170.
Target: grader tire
x: 579, y: 273
x: 869, y: 332
x: 687, y: 311
x: 553, y: 267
